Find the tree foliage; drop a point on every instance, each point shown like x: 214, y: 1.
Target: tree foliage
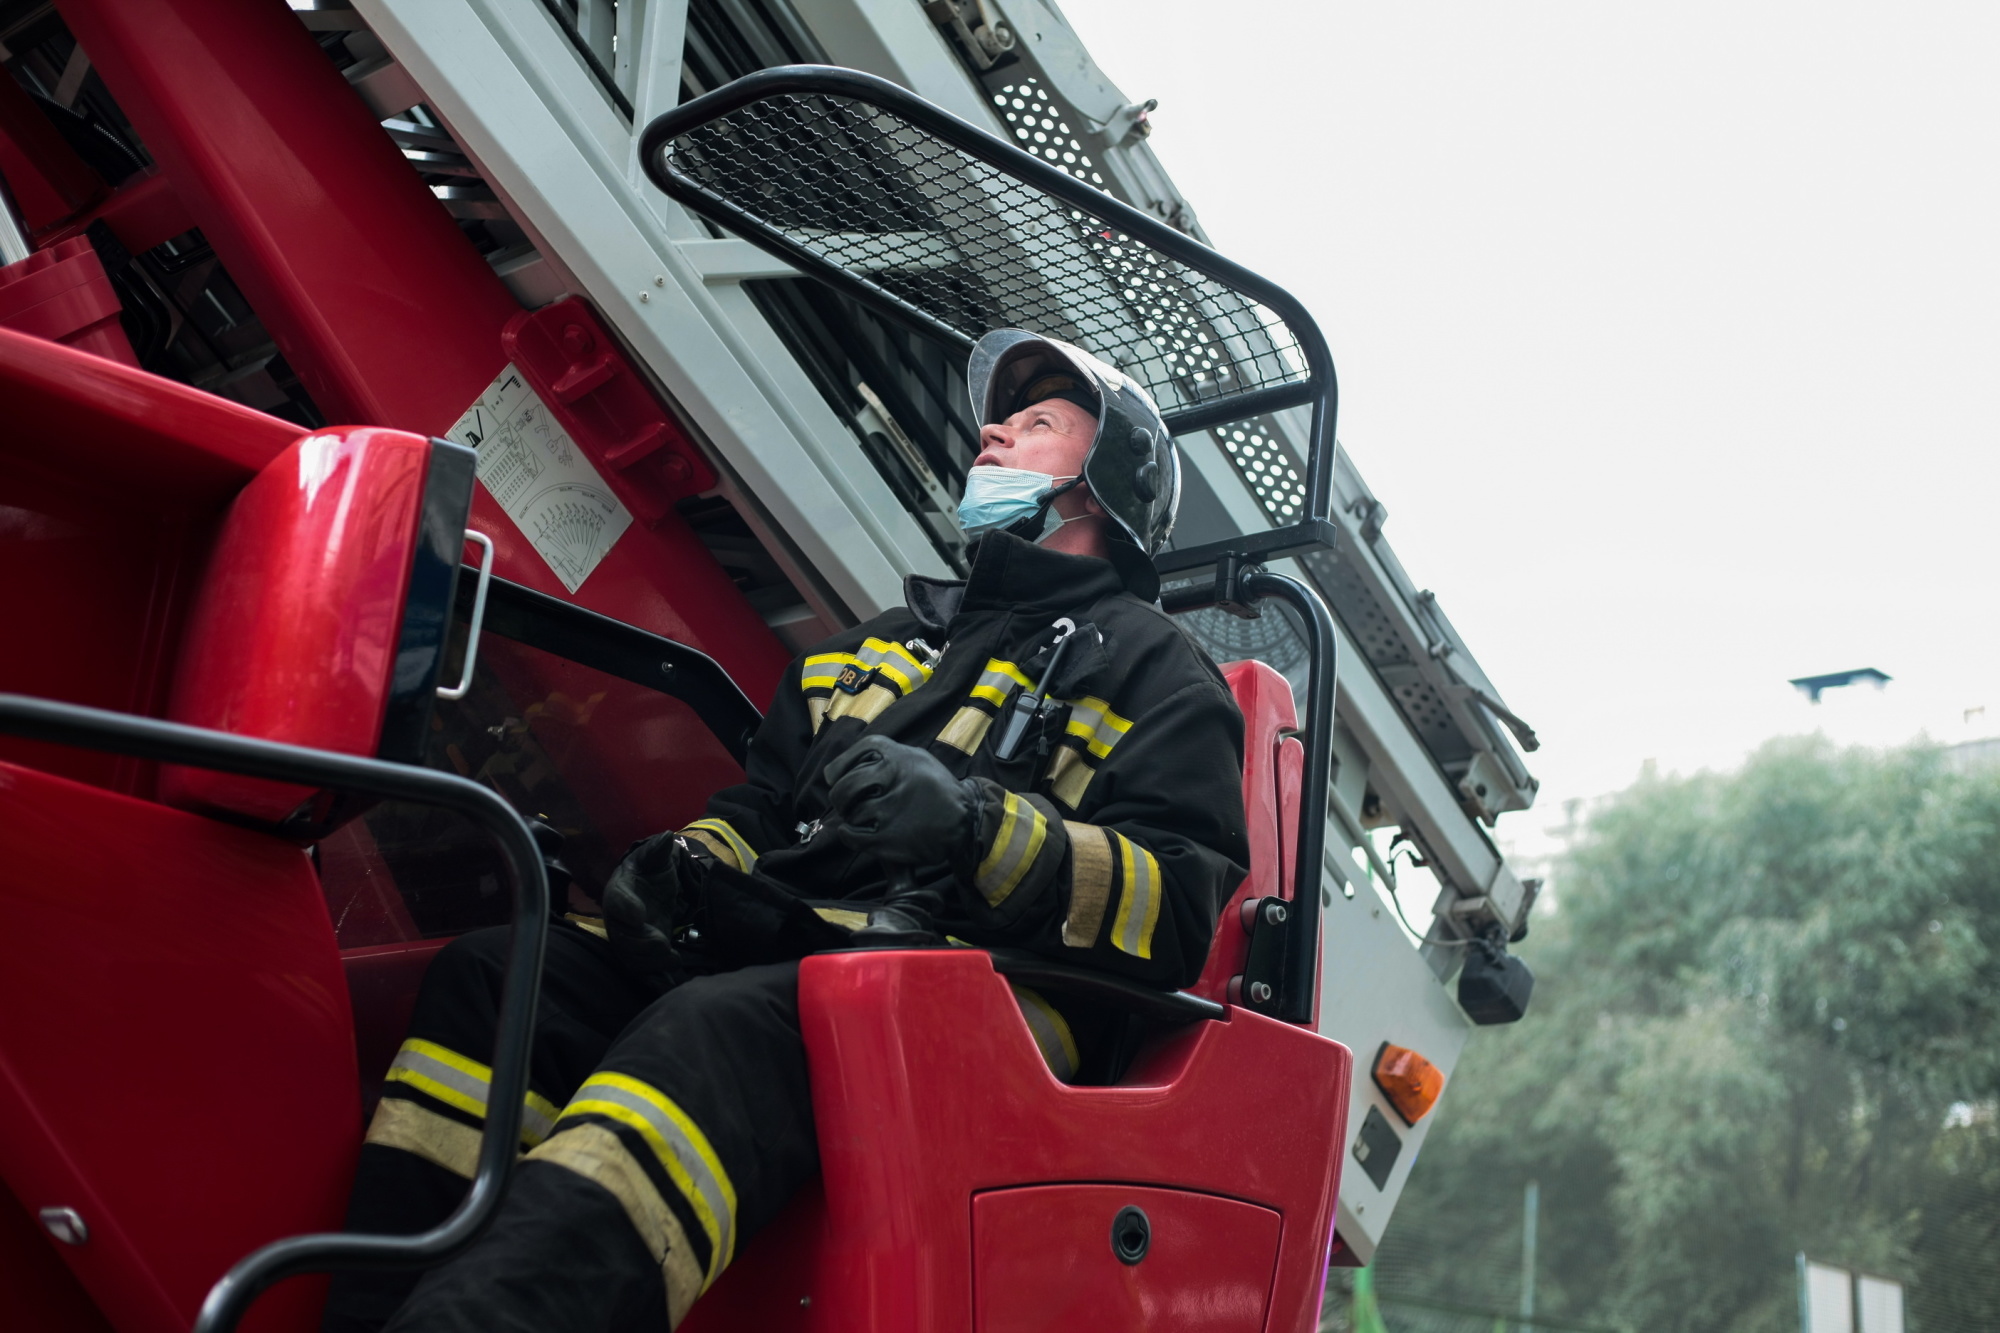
x: 1766, y: 1021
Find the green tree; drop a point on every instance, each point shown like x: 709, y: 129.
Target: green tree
x: 1765, y: 1021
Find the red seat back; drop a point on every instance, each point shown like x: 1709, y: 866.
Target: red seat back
x: 1272, y: 760
x: 322, y: 613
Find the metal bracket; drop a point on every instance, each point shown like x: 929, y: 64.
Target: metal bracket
x: 464, y: 686
x: 1268, y: 921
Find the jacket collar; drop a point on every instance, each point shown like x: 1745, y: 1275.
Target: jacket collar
x: 1011, y: 574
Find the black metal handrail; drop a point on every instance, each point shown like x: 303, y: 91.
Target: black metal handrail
x: 1242, y: 586
x: 1313, y: 530
x: 171, y: 742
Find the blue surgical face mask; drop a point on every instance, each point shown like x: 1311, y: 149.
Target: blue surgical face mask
x: 1000, y: 497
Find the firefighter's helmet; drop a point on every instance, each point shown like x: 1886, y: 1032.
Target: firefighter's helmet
x: 1131, y: 468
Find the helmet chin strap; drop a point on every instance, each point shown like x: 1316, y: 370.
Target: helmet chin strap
x: 1035, y: 527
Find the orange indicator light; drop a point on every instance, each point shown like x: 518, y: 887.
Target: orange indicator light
x: 1410, y: 1082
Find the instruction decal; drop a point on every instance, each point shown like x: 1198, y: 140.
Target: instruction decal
x: 529, y: 464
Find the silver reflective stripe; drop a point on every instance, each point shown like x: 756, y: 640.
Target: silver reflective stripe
x: 1019, y: 840
x: 699, y: 1173
x: 433, y: 1070
x: 1138, y: 908
x: 1048, y: 1029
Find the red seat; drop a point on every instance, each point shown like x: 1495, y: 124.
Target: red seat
x: 176, y: 1038
x: 964, y: 1187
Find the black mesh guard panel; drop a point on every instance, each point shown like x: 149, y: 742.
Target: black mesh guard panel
x: 938, y: 223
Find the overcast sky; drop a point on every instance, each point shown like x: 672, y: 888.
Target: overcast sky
x: 1667, y: 334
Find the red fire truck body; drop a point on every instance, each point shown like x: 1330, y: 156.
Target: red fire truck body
x: 208, y: 967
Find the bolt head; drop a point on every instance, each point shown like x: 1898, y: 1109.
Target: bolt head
x: 1275, y: 914
x: 1260, y: 992
x: 65, y: 1224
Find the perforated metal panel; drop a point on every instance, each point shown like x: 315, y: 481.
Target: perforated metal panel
x: 1261, y: 458
x: 1041, y: 127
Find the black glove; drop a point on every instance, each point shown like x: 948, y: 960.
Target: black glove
x: 646, y: 899
x: 904, y: 806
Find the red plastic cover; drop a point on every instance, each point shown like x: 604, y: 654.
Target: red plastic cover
x: 1044, y: 1259
x: 176, y: 1049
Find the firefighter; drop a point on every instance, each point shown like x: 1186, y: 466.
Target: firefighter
x: 1034, y: 757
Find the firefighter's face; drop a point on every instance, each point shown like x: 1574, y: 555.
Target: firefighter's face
x: 1052, y: 436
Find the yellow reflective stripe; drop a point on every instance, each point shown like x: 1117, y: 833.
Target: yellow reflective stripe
x: 1051, y: 1032
x: 683, y: 1150
x: 1139, y: 904
x: 996, y: 681
x: 1089, y: 884
x: 464, y: 1084
x: 894, y: 661
x: 822, y: 670
x: 1015, y: 845
x: 967, y: 729
x: 1092, y: 722
x: 600, y: 1156
x: 402, y: 1124
x: 1069, y: 775
x: 740, y: 851
x: 842, y: 916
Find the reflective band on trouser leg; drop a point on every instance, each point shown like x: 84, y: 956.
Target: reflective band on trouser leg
x: 721, y: 837
x: 1139, y: 898
x: 1090, y: 877
x: 684, y: 1153
x: 600, y: 1156
x: 1051, y: 1032
x: 463, y: 1083
x: 1016, y: 843
x: 404, y: 1125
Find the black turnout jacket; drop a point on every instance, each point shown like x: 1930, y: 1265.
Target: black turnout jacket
x: 1111, y: 837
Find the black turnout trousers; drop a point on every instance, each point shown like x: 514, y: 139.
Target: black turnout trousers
x: 661, y: 1134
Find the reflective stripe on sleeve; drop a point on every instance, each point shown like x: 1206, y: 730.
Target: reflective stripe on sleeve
x: 1016, y: 843
x: 1139, y: 898
x: 464, y: 1084
x: 1089, y: 884
x: 684, y: 1152
x: 719, y: 837
x: 1051, y: 1032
